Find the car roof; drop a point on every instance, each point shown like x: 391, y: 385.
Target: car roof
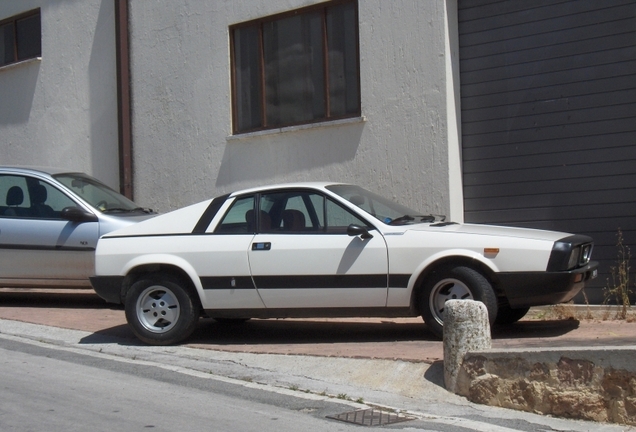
x: 296, y: 185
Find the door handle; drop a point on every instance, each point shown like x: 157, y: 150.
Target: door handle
x: 261, y: 246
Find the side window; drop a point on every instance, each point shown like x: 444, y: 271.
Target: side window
x: 47, y: 201
x: 306, y: 212
x: 339, y: 218
x: 14, y: 196
x: 290, y: 212
x: 20, y: 37
x: 239, y: 219
x: 27, y: 197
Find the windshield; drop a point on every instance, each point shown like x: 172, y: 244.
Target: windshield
x: 96, y: 193
x: 381, y: 208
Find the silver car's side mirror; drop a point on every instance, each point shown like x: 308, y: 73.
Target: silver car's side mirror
x: 75, y: 214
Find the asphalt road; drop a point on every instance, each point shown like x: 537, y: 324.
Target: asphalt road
x: 380, y: 338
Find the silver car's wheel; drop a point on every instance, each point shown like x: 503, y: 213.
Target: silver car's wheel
x: 157, y: 309
x: 456, y: 283
x: 161, y: 309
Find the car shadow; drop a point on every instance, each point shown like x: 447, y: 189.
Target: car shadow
x: 535, y: 329
x: 278, y: 332
x: 307, y: 331
x: 210, y: 333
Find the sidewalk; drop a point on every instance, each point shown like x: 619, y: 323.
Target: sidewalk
x: 375, y: 338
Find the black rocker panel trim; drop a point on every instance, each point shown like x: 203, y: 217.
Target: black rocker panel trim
x: 305, y: 282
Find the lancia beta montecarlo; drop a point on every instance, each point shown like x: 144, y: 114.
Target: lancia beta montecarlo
x: 326, y: 250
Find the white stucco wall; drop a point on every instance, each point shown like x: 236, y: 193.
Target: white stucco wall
x: 61, y: 110
x: 183, y: 148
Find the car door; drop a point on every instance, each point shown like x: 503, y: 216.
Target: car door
x: 302, y: 256
x: 38, y: 248
x: 223, y: 268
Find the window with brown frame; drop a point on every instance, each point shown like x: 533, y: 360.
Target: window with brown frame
x: 20, y: 37
x: 295, y: 68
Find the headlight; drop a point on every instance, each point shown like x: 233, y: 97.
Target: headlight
x: 586, y: 254
x: 574, y: 257
x: 570, y: 253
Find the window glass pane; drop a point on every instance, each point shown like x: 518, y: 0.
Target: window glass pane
x: 7, y: 44
x: 95, y: 193
x: 344, y: 95
x: 13, y: 191
x: 339, y: 218
x: 318, y: 202
x: 28, y: 35
x: 239, y: 218
x: 294, y: 69
x: 247, y: 78
x: 47, y: 201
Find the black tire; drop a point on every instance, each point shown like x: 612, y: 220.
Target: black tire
x: 456, y: 283
x: 161, y: 310
x: 507, y: 315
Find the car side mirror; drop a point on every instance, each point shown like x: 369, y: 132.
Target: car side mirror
x: 357, y: 230
x: 75, y: 214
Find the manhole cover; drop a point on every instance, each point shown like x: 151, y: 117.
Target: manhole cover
x: 371, y: 417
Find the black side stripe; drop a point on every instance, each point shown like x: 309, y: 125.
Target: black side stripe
x: 305, y: 282
x: 48, y: 248
x: 227, y: 282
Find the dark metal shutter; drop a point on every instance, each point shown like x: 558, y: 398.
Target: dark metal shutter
x: 548, y: 99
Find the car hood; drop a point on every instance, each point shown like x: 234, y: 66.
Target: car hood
x: 491, y: 230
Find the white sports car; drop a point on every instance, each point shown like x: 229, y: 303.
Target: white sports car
x: 326, y: 250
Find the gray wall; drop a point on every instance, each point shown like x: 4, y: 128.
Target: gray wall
x: 183, y: 147
x: 61, y: 110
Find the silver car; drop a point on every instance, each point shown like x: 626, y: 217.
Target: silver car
x: 50, y: 221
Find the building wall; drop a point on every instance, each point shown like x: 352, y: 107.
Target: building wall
x: 184, y: 150
x: 61, y: 110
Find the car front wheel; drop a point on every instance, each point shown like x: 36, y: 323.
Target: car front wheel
x: 160, y: 311
x: 458, y: 283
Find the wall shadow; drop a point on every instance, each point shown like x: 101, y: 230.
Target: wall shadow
x: 17, y: 91
x: 285, y: 155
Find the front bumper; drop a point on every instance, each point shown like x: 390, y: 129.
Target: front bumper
x: 524, y: 289
x: 108, y: 287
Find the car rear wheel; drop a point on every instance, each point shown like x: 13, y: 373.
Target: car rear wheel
x: 160, y: 310
x: 458, y: 283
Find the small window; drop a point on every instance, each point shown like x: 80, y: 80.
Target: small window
x: 20, y: 38
x: 239, y: 218
x: 296, y: 68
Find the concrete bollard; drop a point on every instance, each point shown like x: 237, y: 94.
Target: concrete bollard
x: 466, y: 328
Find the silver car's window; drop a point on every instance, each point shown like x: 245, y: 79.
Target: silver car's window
x: 96, y: 193
x: 28, y: 197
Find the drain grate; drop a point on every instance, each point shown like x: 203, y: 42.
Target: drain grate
x: 371, y: 417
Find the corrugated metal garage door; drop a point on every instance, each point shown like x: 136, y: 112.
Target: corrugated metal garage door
x: 548, y: 98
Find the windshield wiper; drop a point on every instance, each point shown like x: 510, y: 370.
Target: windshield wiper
x: 402, y: 220
x: 124, y: 210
